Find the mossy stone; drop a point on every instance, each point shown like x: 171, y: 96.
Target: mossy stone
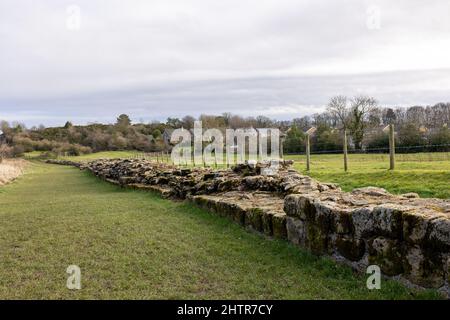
x: 316, y: 240
x: 279, y: 226
x: 350, y: 248
x: 423, y: 271
x: 253, y: 219
x: 414, y: 227
x: 296, y: 232
x: 238, y: 215
x: 387, y: 254
x: 267, y: 223
x: 344, y: 223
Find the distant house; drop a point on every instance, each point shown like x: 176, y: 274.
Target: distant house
x: 167, y: 134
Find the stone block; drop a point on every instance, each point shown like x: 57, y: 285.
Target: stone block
x: 415, y: 227
x: 296, y: 231
x: 292, y: 206
x: 350, y: 248
x: 253, y: 219
x: 279, y: 226
x: 385, y: 220
x: 440, y: 234
x: 344, y: 223
x: 387, y: 254
x: 267, y: 223
x: 316, y: 239
x: 238, y: 214
x: 423, y: 271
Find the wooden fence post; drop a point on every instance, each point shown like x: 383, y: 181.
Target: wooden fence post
x: 391, y: 147
x: 345, y: 151
x: 308, y: 155
x: 309, y: 133
x: 282, y: 147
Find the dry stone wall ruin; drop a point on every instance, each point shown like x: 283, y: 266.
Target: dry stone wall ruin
x: 406, y: 236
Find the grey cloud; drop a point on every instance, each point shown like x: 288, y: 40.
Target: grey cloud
x: 155, y: 59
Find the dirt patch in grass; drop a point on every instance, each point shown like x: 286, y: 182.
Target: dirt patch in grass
x: 10, y: 169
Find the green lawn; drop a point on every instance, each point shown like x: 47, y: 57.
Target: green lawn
x: 107, y: 155
x: 428, y: 174
x: 133, y: 244
x: 91, y: 156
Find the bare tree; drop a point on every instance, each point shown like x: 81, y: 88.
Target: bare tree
x: 361, y: 107
x: 416, y: 114
x: 303, y: 123
x: 188, y: 122
x: 389, y: 116
x: 338, y: 108
x: 375, y: 117
x: 263, y: 122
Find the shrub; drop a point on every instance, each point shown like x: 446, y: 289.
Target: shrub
x: 5, y: 151
x: 18, y: 150
x: 410, y: 138
x: 378, y: 142
x: 26, y: 144
x: 440, y: 140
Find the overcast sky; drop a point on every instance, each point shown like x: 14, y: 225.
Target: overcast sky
x: 154, y: 59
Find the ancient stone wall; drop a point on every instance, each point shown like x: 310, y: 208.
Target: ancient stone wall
x: 406, y: 236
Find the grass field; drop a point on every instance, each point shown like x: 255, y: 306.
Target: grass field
x: 91, y: 156
x: 428, y: 174
x: 135, y: 245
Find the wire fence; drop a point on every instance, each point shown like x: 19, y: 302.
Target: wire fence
x: 410, y: 149
x: 401, y: 149
x: 355, y: 156
x: 376, y: 157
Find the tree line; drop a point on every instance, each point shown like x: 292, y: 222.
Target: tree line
x: 418, y: 128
